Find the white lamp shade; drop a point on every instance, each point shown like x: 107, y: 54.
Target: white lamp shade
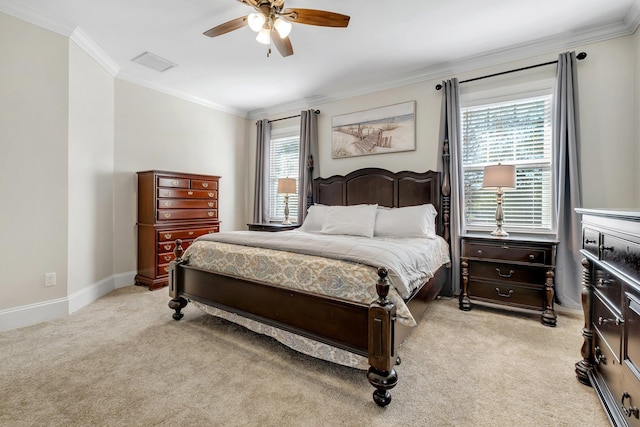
x: 286, y: 185
x: 255, y: 21
x: 499, y: 176
x: 263, y: 36
x: 282, y: 27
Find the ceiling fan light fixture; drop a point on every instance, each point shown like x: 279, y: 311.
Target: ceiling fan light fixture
x: 282, y: 27
x: 256, y: 21
x: 263, y: 36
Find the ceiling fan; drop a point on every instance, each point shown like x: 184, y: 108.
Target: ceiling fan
x: 272, y: 22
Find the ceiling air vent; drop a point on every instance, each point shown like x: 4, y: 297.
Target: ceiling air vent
x: 154, y: 62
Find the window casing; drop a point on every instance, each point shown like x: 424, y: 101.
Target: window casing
x: 517, y: 132
x: 284, y: 155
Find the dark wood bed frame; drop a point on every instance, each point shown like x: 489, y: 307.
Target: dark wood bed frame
x: 373, y: 331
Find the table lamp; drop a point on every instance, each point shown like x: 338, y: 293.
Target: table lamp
x: 499, y: 176
x: 286, y: 186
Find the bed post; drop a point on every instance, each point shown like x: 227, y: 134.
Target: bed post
x: 446, y: 191
x: 177, y: 302
x: 382, y: 345
x: 309, y: 189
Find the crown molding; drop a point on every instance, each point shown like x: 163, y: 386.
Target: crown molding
x: 91, y: 48
x: 180, y: 94
x: 522, y: 51
x: 31, y: 15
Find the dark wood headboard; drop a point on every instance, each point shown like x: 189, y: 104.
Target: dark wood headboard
x: 382, y: 187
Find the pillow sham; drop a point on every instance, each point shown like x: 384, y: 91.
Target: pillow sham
x: 409, y: 221
x: 356, y: 220
x: 314, y: 219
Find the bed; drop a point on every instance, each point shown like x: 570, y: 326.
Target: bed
x: 373, y: 329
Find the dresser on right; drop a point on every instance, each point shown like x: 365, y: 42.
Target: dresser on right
x: 611, y: 303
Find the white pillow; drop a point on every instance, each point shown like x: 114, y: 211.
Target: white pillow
x: 357, y: 220
x: 315, y: 218
x: 410, y: 221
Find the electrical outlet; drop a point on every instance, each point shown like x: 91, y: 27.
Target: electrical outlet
x: 50, y: 279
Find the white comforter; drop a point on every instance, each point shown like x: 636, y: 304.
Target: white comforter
x: 410, y: 261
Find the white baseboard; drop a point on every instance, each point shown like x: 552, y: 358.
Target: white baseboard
x: 32, y: 314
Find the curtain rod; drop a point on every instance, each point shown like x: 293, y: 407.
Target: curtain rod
x: 580, y: 56
x: 291, y: 117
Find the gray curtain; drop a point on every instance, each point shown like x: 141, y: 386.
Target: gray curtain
x: 308, y: 153
x: 450, y: 131
x: 566, y: 145
x: 261, y: 195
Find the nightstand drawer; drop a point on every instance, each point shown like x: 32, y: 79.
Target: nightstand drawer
x: 504, y: 252
x: 509, y: 273
x: 507, y: 294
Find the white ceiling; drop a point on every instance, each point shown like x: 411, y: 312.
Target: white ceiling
x: 387, y: 43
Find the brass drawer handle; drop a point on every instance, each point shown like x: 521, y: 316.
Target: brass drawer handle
x: 603, y: 321
x: 205, y: 184
x: 632, y: 410
x: 167, y: 235
x: 166, y: 204
x: 166, y: 269
x: 167, y: 215
x: 210, y: 204
x: 506, y: 276
x: 190, y: 193
x: 504, y: 295
x: 211, y: 213
x: 211, y: 194
x: 167, y: 257
x: 175, y: 183
x: 191, y: 233
x: 167, y: 247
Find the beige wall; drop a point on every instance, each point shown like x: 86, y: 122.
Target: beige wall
x: 158, y: 131
x: 607, y: 109
x: 90, y: 151
x: 34, y: 94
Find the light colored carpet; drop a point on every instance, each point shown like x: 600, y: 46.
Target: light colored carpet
x: 123, y: 361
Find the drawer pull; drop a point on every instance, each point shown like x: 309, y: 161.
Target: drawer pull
x: 166, y: 269
x: 167, y: 257
x: 588, y: 241
x: 190, y: 193
x: 479, y: 252
x: 601, y: 283
x: 603, y: 321
x: 506, y: 276
x: 210, y: 204
x: 175, y: 183
x: 532, y: 257
x: 211, y: 194
x: 191, y: 233
x: 167, y: 236
x: 632, y: 410
x: 167, y: 247
x: 599, y: 357
x: 210, y: 213
x: 166, y: 204
x: 504, y: 295
x: 205, y: 184
x: 167, y: 215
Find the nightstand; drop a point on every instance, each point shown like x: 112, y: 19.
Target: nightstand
x: 272, y: 227
x: 511, y: 271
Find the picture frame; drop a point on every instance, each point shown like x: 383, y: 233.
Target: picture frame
x: 388, y: 129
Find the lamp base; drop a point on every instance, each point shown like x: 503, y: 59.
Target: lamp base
x: 286, y: 222
x: 499, y: 232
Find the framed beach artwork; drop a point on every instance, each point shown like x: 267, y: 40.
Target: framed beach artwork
x: 380, y: 130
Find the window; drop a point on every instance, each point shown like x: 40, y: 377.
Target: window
x: 516, y: 132
x: 284, y: 154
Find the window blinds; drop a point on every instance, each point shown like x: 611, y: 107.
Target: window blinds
x: 283, y: 163
x: 514, y: 132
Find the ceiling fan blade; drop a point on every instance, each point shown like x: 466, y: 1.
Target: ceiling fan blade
x: 226, y: 27
x: 315, y: 17
x: 252, y: 3
x: 282, y: 44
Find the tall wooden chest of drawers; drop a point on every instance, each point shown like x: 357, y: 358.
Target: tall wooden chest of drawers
x: 611, y: 303
x: 171, y: 205
x: 509, y: 271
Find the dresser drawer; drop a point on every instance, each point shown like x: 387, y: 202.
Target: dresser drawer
x: 530, y: 297
x: 591, y: 241
x: 168, y: 247
x: 508, y: 273
x: 170, y: 236
x: 187, y: 194
x: 609, y: 326
x: 173, y: 182
x: 163, y: 270
x: 621, y: 254
x: 174, y: 214
x: 504, y: 252
x: 187, y: 204
x: 166, y: 257
x: 198, y: 184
